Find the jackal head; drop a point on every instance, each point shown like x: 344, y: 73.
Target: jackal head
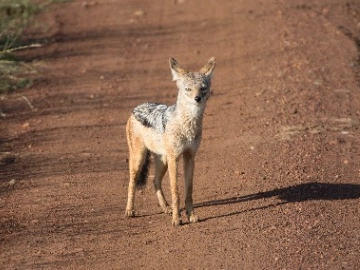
x: 193, y: 86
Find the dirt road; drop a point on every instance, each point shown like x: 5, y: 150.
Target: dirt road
x: 277, y: 180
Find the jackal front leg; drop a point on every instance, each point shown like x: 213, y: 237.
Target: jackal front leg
x: 189, y: 163
x: 172, y: 165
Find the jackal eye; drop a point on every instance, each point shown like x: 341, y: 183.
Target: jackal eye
x: 203, y: 89
x: 188, y: 89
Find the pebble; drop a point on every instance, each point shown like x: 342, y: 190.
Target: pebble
x: 12, y: 182
x: 89, y: 4
x: 139, y: 13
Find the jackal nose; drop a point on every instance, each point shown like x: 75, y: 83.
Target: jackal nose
x: 197, y: 99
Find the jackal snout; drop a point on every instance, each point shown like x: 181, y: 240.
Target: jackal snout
x: 193, y: 86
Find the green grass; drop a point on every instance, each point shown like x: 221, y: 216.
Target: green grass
x: 15, y: 17
x: 12, y: 76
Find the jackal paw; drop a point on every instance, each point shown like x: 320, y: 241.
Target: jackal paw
x: 129, y: 213
x: 193, y: 218
x: 167, y: 210
x: 176, y: 222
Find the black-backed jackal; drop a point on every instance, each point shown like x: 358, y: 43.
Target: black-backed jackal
x: 168, y: 132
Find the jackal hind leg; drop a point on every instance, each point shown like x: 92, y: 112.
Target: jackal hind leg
x: 189, y: 164
x: 137, y: 158
x: 160, y: 170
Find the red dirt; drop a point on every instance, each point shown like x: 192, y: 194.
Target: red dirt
x: 277, y: 179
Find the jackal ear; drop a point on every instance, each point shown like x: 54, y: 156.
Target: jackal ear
x: 177, y: 71
x: 209, y: 67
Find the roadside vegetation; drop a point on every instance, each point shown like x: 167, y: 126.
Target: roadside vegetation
x: 15, y: 17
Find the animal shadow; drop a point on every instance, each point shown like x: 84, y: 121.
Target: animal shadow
x: 297, y: 193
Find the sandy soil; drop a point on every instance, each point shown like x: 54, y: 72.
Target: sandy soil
x: 277, y: 180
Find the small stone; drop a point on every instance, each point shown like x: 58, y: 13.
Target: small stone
x: 88, y: 4
x: 26, y: 125
x: 139, y: 13
x: 318, y: 82
x: 12, y: 182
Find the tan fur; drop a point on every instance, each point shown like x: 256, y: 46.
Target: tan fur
x: 180, y: 138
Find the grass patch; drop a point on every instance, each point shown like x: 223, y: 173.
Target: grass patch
x: 15, y: 17
x: 10, y: 76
